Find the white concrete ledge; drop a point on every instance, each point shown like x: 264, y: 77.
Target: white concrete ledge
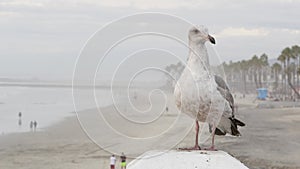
x: 186, y: 160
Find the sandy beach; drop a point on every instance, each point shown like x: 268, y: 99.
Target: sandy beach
x: 270, y: 139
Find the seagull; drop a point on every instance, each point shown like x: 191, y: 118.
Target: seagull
x: 202, y: 95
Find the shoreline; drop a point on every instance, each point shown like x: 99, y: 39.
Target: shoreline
x: 44, y: 105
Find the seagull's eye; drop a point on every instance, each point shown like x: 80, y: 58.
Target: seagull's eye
x: 196, y: 31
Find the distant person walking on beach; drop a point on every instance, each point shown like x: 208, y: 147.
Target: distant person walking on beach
x: 112, y: 162
x: 31, y: 125
x: 20, y: 122
x: 123, y: 161
x: 20, y: 119
x: 35, y: 125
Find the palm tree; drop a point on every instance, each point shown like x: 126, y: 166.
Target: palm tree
x: 244, y: 68
x: 291, y: 69
x: 228, y: 68
x: 287, y: 52
x: 255, y: 65
x: 282, y: 59
x: 276, y: 68
x: 296, y: 53
x: 263, y: 64
x: 298, y: 74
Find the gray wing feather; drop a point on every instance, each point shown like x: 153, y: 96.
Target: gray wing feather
x: 225, y: 92
x: 221, y: 83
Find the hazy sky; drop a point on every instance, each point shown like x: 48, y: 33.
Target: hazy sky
x: 42, y: 38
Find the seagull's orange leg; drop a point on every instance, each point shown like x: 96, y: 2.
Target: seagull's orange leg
x: 212, y: 147
x: 197, y: 133
x: 196, y: 147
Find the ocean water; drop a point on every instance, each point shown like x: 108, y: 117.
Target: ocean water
x: 44, y: 105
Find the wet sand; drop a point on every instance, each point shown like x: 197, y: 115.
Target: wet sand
x: 270, y: 140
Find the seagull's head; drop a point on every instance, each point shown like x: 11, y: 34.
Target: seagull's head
x: 199, y: 34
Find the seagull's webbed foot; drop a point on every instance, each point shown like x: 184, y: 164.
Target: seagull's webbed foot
x: 211, y: 148
x: 196, y: 147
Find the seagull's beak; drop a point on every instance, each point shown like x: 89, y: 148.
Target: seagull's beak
x: 212, y: 39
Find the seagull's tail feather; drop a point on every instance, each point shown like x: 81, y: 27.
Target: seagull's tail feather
x: 228, y: 125
x: 238, y: 122
x: 234, y: 123
x: 219, y: 132
x: 234, y: 128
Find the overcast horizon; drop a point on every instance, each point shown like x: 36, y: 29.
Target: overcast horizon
x: 42, y: 39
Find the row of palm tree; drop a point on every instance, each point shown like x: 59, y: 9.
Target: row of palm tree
x: 254, y: 69
x: 257, y: 71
